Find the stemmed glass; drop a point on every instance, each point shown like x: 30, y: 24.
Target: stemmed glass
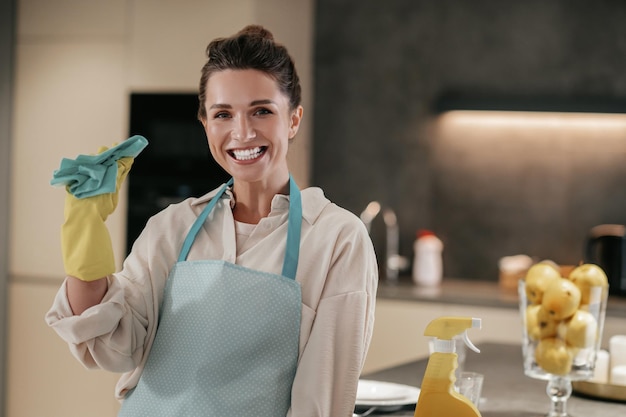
x: 560, y: 346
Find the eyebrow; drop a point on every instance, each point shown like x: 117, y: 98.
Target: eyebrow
x: 253, y: 103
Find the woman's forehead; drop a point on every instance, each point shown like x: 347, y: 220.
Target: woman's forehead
x: 246, y: 79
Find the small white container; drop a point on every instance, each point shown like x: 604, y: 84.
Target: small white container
x: 428, y: 262
x: 618, y: 375
x: 601, y: 371
x: 617, y: 348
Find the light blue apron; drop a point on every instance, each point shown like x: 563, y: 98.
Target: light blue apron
x: 227, y: 340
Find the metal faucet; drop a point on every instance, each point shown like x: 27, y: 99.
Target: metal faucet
x: 393, y: 261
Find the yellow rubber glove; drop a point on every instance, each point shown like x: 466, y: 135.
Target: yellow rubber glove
x: 86, y: 244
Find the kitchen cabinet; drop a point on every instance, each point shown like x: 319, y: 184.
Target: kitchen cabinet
x: 44, y: 379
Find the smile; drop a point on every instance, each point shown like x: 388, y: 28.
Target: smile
x: 247, y: 154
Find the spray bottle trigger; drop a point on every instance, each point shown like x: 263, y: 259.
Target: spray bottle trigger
x: 469, y: 343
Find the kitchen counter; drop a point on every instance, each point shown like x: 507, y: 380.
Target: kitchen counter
x: 468, y: 292
x: 507, y: 392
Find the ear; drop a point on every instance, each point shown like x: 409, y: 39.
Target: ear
x: 203, y: 121
x: 296, y: 118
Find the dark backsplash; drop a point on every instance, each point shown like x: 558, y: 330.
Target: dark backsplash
x: 381, y: 67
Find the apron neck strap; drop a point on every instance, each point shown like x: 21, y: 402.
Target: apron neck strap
x: 294, y: 227
x: 197, y: 225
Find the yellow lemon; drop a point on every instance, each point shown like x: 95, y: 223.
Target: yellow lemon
x: 561, y: 299
x: 538, y: 277
x: 553, y: 356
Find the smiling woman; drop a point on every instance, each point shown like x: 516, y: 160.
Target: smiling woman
x: 250, y: 300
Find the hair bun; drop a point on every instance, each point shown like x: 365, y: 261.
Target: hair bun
x: 257, y: 31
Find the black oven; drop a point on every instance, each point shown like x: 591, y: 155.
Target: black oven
x: 175, y: 165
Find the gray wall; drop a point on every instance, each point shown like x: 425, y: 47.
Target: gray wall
x: 7, y: 39
x: 381, y: 66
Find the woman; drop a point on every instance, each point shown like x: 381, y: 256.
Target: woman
x: 263, y: 295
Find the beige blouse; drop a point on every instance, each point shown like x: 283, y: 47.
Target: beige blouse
x: 337, y: 271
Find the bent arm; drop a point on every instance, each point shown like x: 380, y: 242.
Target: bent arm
x: 85, y: 294
x: 109, y: 323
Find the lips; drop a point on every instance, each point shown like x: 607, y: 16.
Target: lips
x: 247, y: 154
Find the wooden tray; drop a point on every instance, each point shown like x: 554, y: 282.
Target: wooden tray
x: 602, y: 391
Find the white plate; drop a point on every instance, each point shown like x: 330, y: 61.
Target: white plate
x: 382, y: 394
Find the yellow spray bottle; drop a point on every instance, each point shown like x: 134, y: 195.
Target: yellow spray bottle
x: 438, y: 397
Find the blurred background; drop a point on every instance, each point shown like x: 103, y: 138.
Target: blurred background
x: 390, y: 93
x: 384, y: 74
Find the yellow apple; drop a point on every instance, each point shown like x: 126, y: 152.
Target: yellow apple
x: 537, y: 279
x: 553, y: 356
x: 547, y: 325
x: 532, y: 322
x: 553, y: 264
x: 581, y: 330
x: 539, y: 324
x: 561, y: 299
x: 587, y: 276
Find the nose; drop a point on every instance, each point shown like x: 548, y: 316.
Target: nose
x: 243, y: 129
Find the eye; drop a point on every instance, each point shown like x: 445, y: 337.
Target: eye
x: 262, y: 111
x: 221, y: 115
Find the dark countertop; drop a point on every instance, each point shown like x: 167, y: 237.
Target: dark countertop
x: 468, y: 292
x: 507, y: 392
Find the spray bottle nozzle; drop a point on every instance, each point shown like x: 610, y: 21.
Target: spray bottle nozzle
x: 469, y: 343
x: 445, y: 328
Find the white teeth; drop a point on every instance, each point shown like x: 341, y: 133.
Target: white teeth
x: 247, y: 154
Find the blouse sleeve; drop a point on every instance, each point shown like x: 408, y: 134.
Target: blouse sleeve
x: 114, y: 334
x: 109, y: 335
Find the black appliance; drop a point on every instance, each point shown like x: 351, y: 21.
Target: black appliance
x: 175, y: 165
x: 606, y: 246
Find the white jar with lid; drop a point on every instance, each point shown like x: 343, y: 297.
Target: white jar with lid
x: 428, y: 262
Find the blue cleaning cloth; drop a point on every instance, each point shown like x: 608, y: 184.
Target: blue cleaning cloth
x: 90, y: 175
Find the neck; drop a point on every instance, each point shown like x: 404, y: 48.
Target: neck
x: 253, y: 201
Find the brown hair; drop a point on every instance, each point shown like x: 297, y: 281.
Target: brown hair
x: 253, y: 47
